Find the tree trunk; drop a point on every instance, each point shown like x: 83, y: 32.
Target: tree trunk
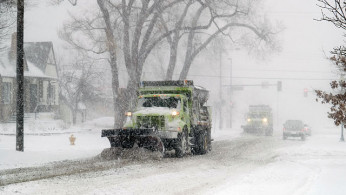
x: 1, y: 105
x: 175, y: 42
x: 186, y: 68
x: 117, y: 100
x: 172, y: 60
x: 74, y: 116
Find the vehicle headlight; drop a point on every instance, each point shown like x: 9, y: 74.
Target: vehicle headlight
x: 249, y: 120
x: 265, y: 120
x: 175, y: 113
x: 128, y: 114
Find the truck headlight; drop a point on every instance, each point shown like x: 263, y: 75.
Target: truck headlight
x: 249, y: 120
x: 175, y: 113
x: 264, y: 120
x: 128, y: 114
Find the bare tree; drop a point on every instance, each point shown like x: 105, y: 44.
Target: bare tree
x: 128, y: 30
x: 128, y: 26
x: 7, y: 20
x: 77, y: 84
x: 334, y: 12
x: 208, y: 20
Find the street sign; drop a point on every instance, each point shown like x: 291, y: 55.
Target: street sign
x: 237, y: 88
x: 265, y: 84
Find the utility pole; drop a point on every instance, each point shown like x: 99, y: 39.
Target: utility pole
x: 220, y: 92
x: 20, y: 77
x: 230, y: 95
x: 342, y: 133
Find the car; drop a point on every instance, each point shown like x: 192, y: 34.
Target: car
x: 307, y: 129
x: 294, y: 128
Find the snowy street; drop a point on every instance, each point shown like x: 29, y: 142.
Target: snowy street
x: 238, y: 164
x: 173, y: 97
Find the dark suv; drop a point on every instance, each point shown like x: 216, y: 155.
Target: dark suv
x: 294, y: 128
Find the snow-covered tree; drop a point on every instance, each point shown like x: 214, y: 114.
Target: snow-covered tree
x: 128, y: 30
x: 77, y: 84
x: 7, y: 21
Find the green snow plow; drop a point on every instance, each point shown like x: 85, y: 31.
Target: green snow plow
x: 170, y: 115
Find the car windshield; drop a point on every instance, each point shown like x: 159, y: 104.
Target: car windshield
x: 294, y: 124
x: 161, y: 101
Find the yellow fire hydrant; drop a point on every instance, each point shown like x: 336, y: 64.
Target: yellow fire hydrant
x: 72, y: 139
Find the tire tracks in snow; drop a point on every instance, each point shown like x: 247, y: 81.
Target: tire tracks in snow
x: 230, y: 154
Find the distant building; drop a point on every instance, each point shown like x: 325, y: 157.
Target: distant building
x: 40, y: 79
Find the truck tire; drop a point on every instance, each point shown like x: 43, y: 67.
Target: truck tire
x: 202, y: 142
x: 303, y: 137
x: 209, y: 139
x: 182, y: 144
x: 269, y: 132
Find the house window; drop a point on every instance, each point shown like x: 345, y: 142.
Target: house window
x: 6, y: 93
x: 40, y: 88
x: 51, y: 94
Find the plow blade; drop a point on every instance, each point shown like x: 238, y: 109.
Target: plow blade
x: 127, y: 138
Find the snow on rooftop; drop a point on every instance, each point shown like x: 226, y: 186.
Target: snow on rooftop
x: 34, y: 71
x: 8, y: 68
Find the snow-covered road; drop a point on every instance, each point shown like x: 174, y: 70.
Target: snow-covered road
x: 237, y: 165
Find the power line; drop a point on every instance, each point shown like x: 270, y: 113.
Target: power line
x: 268, y: 78
x: 305, y: 71
x: 285, y: 78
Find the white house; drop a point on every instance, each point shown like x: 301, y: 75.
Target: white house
x: 40, y: 79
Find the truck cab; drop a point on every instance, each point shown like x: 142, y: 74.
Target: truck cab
x: 259, y: 120
x: 168, y: 114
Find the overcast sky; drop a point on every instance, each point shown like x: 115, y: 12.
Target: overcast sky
x: 305, y: 42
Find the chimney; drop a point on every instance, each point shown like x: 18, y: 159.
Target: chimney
x: 14, y: 45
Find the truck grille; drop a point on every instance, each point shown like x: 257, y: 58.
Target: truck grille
x: 157, y: 122
x: 255, y: 123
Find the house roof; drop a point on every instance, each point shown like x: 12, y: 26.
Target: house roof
x: 38, y: 53
x: 7, y: 65
x: 36, y: 56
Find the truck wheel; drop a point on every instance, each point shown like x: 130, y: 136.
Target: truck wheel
x: 303, y: 137
x: 182, y: 144
x: 269, y: 132
x: 202, y: 142
x: 209, y: 139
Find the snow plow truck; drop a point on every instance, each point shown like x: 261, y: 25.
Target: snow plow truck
x: 259, y: 120
x: 169, y: 115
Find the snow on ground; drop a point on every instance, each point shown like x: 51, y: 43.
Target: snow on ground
x: 49, y: 145
x: 52, y: 144
x: 313, y: 167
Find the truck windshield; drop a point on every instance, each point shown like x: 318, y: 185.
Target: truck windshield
x: 258, y: 115
x: 162, y: 101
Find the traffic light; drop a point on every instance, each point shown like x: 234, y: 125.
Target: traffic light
x: 305, y: 92
x: 279, y: 86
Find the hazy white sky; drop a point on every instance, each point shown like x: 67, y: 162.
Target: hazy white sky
x: 303, y: 38
x: 304, y: 45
